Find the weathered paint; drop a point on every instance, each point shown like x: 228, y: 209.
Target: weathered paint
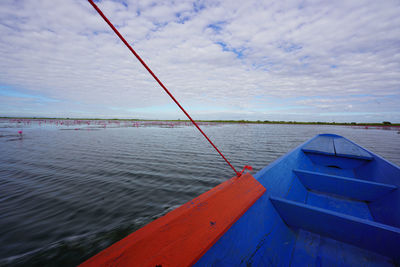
x: 182, y: 236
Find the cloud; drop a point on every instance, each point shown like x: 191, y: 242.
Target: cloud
x: 223, y: 59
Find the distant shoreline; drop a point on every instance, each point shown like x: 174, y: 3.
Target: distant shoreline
x: 385, y: 124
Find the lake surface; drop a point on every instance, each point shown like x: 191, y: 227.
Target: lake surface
x: 69, y: 189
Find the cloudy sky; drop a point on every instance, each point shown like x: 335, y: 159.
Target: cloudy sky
x: 256, y: 60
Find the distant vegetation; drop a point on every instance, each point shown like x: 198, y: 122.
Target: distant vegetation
x: 384, y: 123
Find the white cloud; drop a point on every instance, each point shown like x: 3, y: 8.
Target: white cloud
x: 227, y: 59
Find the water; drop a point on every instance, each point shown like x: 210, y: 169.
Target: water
x: 69, y: 189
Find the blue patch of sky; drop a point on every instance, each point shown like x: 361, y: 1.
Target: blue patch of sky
x: 237, y: 51
x: 223, y: 45
x: 198, y: 6
x: 11, y: 92
x: 181, y: 18
x: 217, y: 26
x: 158, y: 26
x: 333, y: 66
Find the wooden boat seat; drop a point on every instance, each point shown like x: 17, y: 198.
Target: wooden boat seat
x: 333, y: 145
x: 349, y: 187
x: 345, y: 148
x: 367, y: 234
x: 322, y: 144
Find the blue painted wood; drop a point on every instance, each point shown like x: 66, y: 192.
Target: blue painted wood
x: 262, y: 238
x: 259, y: 236
x: 297, y: 191
x: 316, y: 250
x: 345, y: 148
x: 344, y: 166
x: 339, y: 204
x: 349, y: 187
x: 322, y: 144
x: 387, y: 209
x: 363, y: 233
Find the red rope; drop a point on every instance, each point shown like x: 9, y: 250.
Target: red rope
x: 161, y: 84
x: 248, y: 167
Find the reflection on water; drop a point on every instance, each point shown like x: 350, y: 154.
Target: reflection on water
x: 71, y: 188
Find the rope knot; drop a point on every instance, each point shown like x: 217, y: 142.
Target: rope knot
x: 248, y: 167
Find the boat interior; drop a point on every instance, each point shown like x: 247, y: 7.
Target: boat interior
x: 327, y: 203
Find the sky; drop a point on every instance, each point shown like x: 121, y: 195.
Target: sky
x: 256, y: 60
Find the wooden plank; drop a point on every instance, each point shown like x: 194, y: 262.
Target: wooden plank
x: 331, y: 202
x: 377, y: 237
x: 344, y: 186
x: 182, y: 236
x: 323, y: 144
x: 345, y: 148
x: 315, y: 250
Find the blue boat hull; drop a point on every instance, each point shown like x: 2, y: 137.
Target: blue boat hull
x: 329, y: 202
